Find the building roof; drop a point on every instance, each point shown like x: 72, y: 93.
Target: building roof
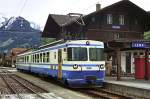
x: 62, y: 19
x: 15, y: 51
x: 55, y: 22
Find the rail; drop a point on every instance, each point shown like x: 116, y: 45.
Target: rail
x: 10, y: 87
x: 28, y: 88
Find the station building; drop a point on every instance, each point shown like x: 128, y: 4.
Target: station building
x: 120, y: 25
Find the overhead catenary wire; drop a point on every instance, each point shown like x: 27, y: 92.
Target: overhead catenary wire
x: 24, y: 4
x: 92, y: 5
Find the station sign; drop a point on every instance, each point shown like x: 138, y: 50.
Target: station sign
x: 140, y: 45
x: 115, y: 27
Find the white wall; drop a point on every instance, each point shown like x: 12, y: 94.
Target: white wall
x: 132, y: 62
x: 123, y: 61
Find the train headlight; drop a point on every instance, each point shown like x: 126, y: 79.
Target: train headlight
x: 101, y: 66
x: 75, y: 66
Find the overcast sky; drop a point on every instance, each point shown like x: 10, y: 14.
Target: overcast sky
x: 38, y: 10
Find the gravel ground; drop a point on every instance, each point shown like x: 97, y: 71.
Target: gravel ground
x: 56, y: 90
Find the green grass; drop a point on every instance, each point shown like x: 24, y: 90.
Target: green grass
x: 147, y: 35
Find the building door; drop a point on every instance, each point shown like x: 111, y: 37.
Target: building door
x: 128, y: 62
x: 59, y: 64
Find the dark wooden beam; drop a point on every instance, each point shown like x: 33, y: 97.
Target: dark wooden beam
x: 118, y: 50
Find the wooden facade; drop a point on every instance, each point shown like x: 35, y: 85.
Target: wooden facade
x: 136, y: 21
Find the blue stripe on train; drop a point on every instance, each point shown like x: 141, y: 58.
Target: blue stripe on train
x: 48, y: 64
x: 23, y: 67
x: 74, y: 78
x: 65, y: 74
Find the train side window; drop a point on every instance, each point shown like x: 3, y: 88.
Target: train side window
x: 69, y: 51
x: 65, y: 49
x: 35, y: 58
x: 30, y: 58
x: 38, y: 58
x: 27, y: 59
x: 24, y: 59
x: 41, y: 57
x: 47, y: 57
x: 54, y: 55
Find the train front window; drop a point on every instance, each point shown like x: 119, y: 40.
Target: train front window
x: 96, y: 54
x: 77, y: 54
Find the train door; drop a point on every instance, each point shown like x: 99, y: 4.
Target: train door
x: 59, y: 64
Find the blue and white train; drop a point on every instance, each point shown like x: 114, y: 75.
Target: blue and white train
x: 74, y: 62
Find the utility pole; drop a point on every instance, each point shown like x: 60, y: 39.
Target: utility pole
x: 118, y: 64
x: 118, y: 52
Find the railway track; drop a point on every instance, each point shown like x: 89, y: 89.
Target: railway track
x: 12, y: 84
x: 96, y: 93
x: 19, y: 87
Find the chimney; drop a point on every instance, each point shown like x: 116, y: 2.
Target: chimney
x: 98, y: 7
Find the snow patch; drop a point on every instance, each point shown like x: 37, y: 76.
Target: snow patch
x: 10, y: 22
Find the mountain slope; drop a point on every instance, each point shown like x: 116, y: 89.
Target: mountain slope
x: 17, y: 24
x: 17, y: 32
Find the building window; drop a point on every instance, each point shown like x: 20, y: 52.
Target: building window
x: 109, y: 18
x: 121, y: 19
x: 136, y: 21
x: 120, y: 35
x: 117, y: 36
x: 93, y: 19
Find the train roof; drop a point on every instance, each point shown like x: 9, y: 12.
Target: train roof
x: 71, y: 42
x: 68, y: 43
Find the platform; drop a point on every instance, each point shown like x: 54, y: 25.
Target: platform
x: 128, y: 86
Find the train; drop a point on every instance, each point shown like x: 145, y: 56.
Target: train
x: 76, y: 63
